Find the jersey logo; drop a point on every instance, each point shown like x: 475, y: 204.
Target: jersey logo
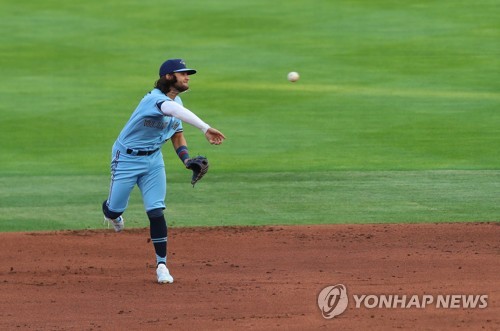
x: 155, y: 124
x: 176, y: 125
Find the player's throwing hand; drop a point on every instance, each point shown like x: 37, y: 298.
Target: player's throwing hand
x: 214, y: 136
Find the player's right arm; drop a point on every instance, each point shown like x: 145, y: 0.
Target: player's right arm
x: 171, y: 108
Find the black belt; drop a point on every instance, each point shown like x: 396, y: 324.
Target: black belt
x: 140, y: 153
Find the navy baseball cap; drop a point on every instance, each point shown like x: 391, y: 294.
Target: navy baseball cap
x: 175, y: 65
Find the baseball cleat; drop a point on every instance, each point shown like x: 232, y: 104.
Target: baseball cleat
x: 118, y: 223
x: 163, y: 274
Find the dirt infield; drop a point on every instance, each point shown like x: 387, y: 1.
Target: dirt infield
x: 261, y: 278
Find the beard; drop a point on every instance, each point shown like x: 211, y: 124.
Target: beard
x: 178, y: 86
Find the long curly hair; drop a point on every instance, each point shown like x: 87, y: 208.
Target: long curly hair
x: 164, y: 85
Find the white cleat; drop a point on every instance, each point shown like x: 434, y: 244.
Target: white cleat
x: 163, y: 274
x: 118, y: 223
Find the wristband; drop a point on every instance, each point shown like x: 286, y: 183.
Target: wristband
x: 183, y: 153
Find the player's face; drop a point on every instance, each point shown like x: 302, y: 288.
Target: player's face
x: 182, y: 83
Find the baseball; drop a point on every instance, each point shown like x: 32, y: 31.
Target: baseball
x: 293, y: 76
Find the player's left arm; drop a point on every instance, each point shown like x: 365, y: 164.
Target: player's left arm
x: 180, y: 146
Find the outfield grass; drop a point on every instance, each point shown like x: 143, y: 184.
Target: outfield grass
x: 395, y: 117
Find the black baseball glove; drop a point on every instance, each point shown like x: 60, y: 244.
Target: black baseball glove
x: 199, y: 166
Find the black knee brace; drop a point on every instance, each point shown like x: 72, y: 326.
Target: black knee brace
x: 154, y: 213
x: 108, y: 213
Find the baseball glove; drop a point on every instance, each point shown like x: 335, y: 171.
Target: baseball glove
x: 199, y: 166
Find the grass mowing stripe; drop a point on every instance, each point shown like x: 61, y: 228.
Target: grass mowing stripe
x: 304, y: 86
x: 72, y: 202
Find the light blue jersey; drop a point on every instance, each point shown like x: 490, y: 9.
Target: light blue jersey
x: 136, y: 155
x: 148, y: 128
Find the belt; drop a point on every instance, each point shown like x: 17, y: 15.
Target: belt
x: 140, y: 153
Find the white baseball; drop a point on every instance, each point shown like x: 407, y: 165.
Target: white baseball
x: 293, y: 76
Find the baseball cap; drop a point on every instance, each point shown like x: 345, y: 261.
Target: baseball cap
x: 175, y: 65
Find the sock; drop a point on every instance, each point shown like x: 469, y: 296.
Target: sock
x: 158, y: 231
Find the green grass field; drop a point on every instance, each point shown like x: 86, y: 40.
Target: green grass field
x: 395, y: 118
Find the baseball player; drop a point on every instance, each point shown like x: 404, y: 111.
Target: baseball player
x: 137, y: 158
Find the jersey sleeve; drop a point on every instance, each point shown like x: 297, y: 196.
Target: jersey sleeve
x: 179, y: 127
x: 172, y: 108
